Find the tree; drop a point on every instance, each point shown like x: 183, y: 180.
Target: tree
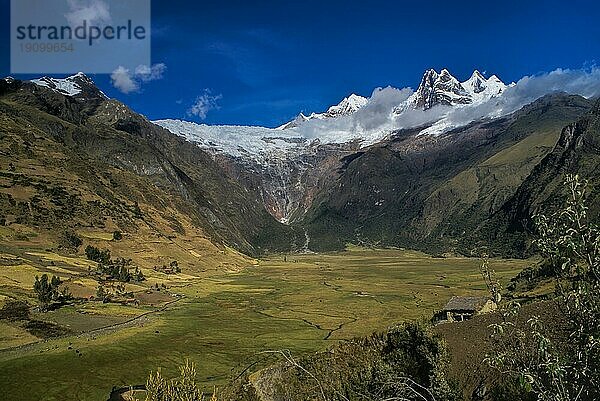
x: 138, y: 275
x: 97, y: 255
x: 117, y: 236
x: 555, y: 370
x: 69, y: 240
x: 175, y: 266
x: 102, y: 294
x: 46, y: 291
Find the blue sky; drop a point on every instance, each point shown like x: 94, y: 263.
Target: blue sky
x: 261, y: 63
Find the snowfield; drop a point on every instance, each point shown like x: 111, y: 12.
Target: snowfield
x: 354, y: 119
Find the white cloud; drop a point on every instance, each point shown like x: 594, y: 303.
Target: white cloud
x: 146, y: 74
x: 128, y: 82
x: 95, y: 12
x: 122, y: 80
x: 377, y: 117
x: 204, y: 103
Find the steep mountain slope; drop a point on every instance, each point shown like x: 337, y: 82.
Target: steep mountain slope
x: 78, y: 159
x: 576, y: 152
x: 428, y: 191
x: 280, y: 169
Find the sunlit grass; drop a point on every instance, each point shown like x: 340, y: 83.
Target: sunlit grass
x: 299, y: 302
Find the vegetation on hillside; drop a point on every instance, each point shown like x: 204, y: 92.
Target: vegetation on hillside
x: 406, y: 362
x: 182, y: 388
x: 119, y: 269
x: 47, y: 291
x: 559, y: 360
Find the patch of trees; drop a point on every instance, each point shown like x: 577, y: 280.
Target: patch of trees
x: 47, y: 291
x: 97, y: 255
x: 172, y: 268
x: 119, y: 269
x: 69, y: 240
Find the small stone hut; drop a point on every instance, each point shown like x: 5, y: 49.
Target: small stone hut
x: 464, y: 308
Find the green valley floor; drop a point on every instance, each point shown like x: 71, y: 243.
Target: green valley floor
x: 223, y: 321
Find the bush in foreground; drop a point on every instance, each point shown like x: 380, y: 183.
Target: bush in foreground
x: 182, y: 388
x: 405, y: 363
x: 559, y: 361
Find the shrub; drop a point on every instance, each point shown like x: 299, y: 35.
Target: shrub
x: 69, y: 240
x: 552, y: 369
x: 175, y: 266
x: 405, y: 363
x: 183, y: 388
x: 102, y: 294
x: 117, y: 236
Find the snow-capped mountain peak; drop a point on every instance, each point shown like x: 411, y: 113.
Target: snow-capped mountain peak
x: 78, y: 85
x: 476, y: 83
x: 442, y: 88
x: 346, y: 107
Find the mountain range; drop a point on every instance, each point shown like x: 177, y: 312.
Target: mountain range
x: 450, y: 167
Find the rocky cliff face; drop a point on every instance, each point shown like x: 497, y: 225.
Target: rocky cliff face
x: 287, y: 185
x: 444, y: 89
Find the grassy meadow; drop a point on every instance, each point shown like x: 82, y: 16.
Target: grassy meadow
x: 226, y: 318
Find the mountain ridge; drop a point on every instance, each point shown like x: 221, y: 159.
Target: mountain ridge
x: 186, y: 180
x: 395, y: 191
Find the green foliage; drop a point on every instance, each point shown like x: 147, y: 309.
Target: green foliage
x: 97, y: 255
x: 47, y: 291
x: 405, y: 363
x: 117, y: 269
x: 183, y: 388
x: 137, y: 275
x: 117, y: 236
x: 102, y: 294
x: 70, y: 240
x: 175, y: 266
x: 570, y: 369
